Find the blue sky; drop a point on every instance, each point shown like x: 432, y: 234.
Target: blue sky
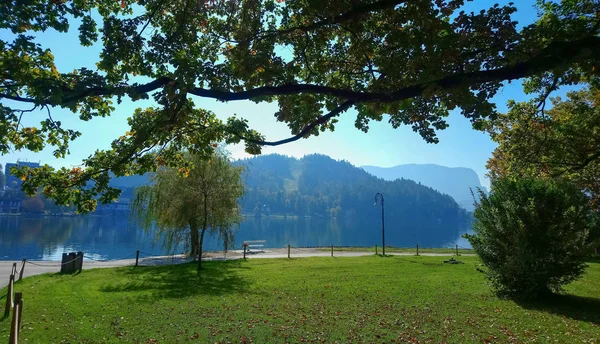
x: 460, y: 145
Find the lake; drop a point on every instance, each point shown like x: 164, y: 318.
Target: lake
x: 114, y: 237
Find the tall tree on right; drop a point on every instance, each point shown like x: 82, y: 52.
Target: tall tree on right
x: 562, y: 143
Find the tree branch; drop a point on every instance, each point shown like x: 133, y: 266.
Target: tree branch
x: 334, y: 113
x: 50, y: 117
x: 554, y: 55
x: 542, y: 103
x: 587, y: 161
x: 21, y: 115
x: 150, y: 18
x: 571, y: 166
x: 353, y: 13
x: 550, y: 57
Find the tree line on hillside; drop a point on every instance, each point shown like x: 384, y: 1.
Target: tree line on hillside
x: 317, y: 185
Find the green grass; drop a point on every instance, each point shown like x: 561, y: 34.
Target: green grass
x: 363, y: 299
x: 390, y: 249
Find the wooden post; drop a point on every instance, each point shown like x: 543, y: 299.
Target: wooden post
x: 22, y: 268
x: 79, y: 261
x: 13, y: 270
x: 72, y: 264
x: 417, y: 249
x: 289, y: 250
x: 457, y: 250
x: 9, y: 296
x: 19, y: 296
x: 15, y: 325
x: 137, y: 257
x: 76, y: 262
x: 63, y: 267
x: 332, y: 250
x: 245, y: 246
x: 375, y: 249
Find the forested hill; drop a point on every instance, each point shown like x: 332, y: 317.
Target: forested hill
x: 454, y: 181
x: 317, y: 185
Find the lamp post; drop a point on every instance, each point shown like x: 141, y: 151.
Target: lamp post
x: 377, y: 197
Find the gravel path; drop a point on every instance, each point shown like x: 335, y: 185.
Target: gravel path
x: 41, y: 267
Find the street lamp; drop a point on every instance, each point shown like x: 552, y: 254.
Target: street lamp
x: 377, y: 197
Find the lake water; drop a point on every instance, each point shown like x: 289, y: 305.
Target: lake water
x: 114, y: 237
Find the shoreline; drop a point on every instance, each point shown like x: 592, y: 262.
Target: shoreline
x: 38, y: 267
x: 316, y: 250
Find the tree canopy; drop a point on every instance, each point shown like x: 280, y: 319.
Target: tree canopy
x: 561, y: 143
x: 182, y: 204
x: 319, y: 186
x: 531, y: 235
x: 411, y: 60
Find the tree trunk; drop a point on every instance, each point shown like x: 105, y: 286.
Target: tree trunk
x: 200, y: 248
x: 204, y: 226
x: 193, y: 240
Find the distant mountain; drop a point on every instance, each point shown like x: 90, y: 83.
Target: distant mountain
x: 453, y: 181
x: 319, y: 186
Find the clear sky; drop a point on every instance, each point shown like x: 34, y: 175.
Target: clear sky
x: 460, y: 145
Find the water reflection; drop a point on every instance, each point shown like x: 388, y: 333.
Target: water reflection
x: 114, y: 237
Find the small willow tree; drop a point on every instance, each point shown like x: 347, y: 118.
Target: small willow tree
x: 186, y: 203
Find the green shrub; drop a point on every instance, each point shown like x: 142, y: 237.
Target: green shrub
x: 531, y: 235
x: 593, y: 239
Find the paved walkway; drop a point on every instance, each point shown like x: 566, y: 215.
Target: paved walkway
x: 41, y: 267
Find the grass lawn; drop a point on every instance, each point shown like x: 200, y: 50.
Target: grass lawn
x: 368, y: 299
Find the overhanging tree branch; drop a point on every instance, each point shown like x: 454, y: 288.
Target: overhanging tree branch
x: 554, y: 55
x: 304, y: 132
x: 550, y: 89
x: 351, y: 14
x: 587, y: 161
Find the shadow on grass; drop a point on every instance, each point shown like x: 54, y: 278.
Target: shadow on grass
x: 593, y: 260
x: 180, y: 281
x: 571, y: 306
x: 386, y: 256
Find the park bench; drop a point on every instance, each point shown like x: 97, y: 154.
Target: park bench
x: 256, y: 244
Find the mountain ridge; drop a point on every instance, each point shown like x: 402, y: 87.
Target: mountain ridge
x: 462, y: 179
x: 318, y: 185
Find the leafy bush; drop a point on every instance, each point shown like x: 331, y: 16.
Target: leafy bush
x: 593, y: 239
x: 531, y: 235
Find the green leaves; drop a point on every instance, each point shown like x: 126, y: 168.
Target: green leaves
x: 198, y: 196
x: 559, y: 143
x: 412, y: 60
x: 531, y: 235
x: 88, y: 34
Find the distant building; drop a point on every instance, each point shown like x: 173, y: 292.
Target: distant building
x: 12, y: 181
x: 10, y: 206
